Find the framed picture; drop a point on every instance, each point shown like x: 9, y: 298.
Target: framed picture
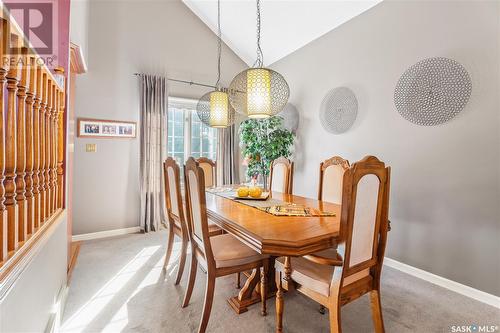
x: 97, y: 128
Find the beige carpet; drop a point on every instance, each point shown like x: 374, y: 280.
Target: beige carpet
x: 118, y: 286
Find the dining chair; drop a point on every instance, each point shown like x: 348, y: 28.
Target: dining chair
x: 177, y: 225
x: 209, y: 170
x: 219, y: 255
x: 335, y: 277
x: 281, y: 175
x: 331, y: 174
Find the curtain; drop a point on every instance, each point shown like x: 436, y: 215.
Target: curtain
x: 153, y: 151
x: 227, y: 158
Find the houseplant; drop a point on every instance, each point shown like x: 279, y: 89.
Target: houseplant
x: 261, y: 142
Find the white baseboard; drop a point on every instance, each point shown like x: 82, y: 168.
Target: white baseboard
x: 459, y: 288
x: 104, y: 234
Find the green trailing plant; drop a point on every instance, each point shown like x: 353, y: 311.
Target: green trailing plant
x: 262, y: 141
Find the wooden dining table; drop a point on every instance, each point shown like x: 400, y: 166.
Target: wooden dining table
x: 273, y: 235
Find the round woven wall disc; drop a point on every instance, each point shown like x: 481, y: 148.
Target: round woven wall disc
x: 432, y: 91
x: 339, y: 109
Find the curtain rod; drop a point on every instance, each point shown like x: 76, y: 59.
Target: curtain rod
x: 191, y: 83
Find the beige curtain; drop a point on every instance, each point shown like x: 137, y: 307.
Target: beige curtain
x: 227, y: 158
x: 153, y: 136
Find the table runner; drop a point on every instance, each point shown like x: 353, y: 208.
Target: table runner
x: 270, y: 205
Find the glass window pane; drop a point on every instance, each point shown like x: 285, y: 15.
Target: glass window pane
x: 179, y: 144
x: 178, y: 128
x: 206, y: 145
x: 170, y: 128
x: 179, y: 115
x: 195, y: 145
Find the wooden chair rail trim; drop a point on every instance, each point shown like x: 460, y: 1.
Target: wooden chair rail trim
x: 15, y: 264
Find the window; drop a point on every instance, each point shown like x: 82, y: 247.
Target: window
x: 187, y: 135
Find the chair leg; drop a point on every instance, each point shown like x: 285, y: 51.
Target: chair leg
x: 170, y: 245
x: 263, y: 287
x: 192, y: 278
x: 376, y: 305
x: 207, y: 306
x: 238, y: 280
x: 279, y: 304
x: 334, y: 313
x: 182, y: 261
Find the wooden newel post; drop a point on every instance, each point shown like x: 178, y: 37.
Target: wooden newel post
x: 60, y: 142
x: 28, y: 179
x: 36, y: 147
x: 4, y: 37
x: 21, y: 148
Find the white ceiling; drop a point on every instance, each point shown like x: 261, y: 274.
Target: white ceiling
x: 286, y: 26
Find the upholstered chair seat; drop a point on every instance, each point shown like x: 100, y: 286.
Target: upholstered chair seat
x: 315, y: 276
x: 229, y: 252
x: 213, y: 229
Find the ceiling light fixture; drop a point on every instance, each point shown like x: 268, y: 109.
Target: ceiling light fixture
x: 259, y: 92
x: 214, y: 108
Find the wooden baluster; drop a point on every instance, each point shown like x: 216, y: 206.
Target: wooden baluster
x: 4, y: 32
x: 60, y: 152
x: 43, y: 188
x: 21, y: 148
x: 48, y: 149
x: 10, y: 155
x: 54, y: 147
x: 28, y: 179
x: 48, y: 109
x: 36, y: 146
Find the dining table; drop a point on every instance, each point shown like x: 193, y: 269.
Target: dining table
x: 274, y: 235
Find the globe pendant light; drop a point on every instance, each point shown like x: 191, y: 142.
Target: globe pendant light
x: 214, y: 108
x: 259, y: 92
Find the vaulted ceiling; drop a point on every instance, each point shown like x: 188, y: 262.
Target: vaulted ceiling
x: 286, y: 25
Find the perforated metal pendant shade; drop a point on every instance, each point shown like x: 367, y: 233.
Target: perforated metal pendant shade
x: 214, y: 109
x: 259, y: 92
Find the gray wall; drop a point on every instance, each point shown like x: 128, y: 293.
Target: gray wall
x: 127, y: 37
x: 30, y: 302
x: 445, y: 180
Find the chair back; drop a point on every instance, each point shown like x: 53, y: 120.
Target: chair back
x: 364, y: 217
x: 196, y: 209
x: 209, y: 169
x: 331, y: 175
x: 281, y: 175
x: 173, y: 197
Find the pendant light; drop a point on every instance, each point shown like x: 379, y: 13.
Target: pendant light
x: 258, y: 92
x: 213, y: 108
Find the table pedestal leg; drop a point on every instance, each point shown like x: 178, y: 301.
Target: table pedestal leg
x: 248, y: 294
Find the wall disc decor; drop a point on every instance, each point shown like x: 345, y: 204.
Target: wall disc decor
x: 432, y: 91
x: 290, y: 117
x: 339, y: 109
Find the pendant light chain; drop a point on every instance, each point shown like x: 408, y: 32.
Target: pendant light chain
x: 219, y: 45
x: 260, y: 56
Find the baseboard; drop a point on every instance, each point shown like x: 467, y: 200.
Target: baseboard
x: 54, y: 323
x: 104, y: 234
x: 459, y: 288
